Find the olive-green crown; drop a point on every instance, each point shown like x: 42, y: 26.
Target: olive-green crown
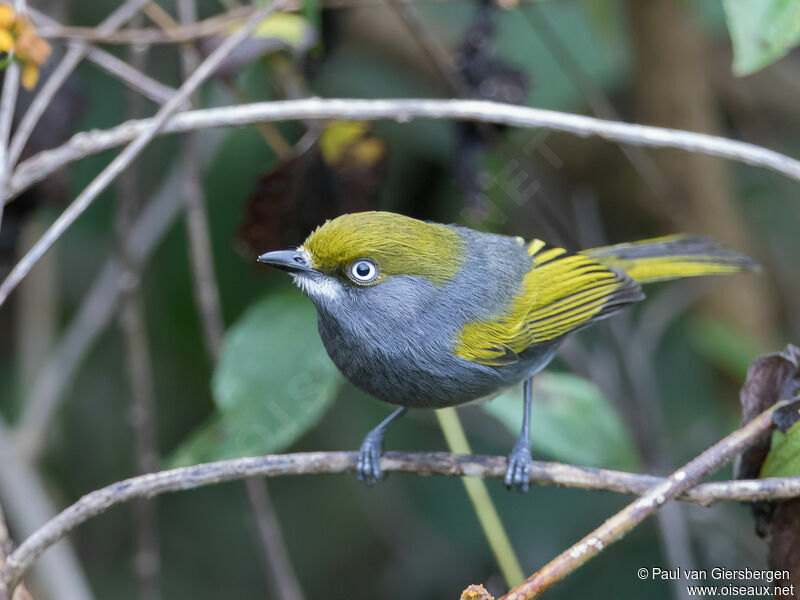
x: 397, y: 244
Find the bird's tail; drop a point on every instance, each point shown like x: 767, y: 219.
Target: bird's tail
x: 672, y: 257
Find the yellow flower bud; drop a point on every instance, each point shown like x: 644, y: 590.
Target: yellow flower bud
x: 7, y: 16
x: 30, y: 75
x: 30, y: 47
x: 6, y: 40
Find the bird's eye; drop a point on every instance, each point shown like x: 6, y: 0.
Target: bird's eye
x: 363, y: 271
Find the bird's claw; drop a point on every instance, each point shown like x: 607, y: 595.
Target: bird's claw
x: 518, y: 472
x: 369, y: 457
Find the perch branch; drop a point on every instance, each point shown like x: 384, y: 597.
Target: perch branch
x: 131, y: 151
x: 440, y: 463
x: 88, y: 143
x: 624, y: 521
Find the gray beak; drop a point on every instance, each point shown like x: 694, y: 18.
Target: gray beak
x: 286, y: 260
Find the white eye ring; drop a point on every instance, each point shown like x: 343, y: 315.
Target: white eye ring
x: 363, y: 270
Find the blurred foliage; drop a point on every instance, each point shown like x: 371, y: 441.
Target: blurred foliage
x: 723, y: 345
x: 572, y: 422
x: 272, y: 383
x: 762, y: 31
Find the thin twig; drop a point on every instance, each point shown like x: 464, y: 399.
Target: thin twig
x: 281, y: 571
x: 124, y: 158
x: 133, y: 78
x: 438, y: 57
x: 138, y: 361
x: 598, y: 100
x: 88, y: 143
x: 440, y: 463
x: 201, y: 254
x: 142, y: 418
x: 143, y: 37
x: 624, y: 521
x: 57, y: 78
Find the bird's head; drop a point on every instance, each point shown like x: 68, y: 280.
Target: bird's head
x: 356, y: 253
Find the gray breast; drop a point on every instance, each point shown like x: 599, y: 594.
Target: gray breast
x: 395, y: 340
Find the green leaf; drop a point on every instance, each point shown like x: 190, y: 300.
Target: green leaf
x: 273, y: 382
x: 723, y: 345
x: 784, y: 458
x: 571, y: 421
x: 762, y: 31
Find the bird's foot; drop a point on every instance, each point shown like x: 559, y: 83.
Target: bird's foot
x: 369, y: 457
x: 518, y: 472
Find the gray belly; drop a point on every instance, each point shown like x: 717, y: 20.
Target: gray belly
x: 416, y: 373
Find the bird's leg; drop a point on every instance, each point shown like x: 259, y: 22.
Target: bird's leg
x: 518, y: 473
x: 369, y: 455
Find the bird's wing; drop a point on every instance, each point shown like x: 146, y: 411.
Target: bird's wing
x: 561, y: 293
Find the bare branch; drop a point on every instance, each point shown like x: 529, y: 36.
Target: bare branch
x: 138, y: 359
x: 144, y: 84
x: 624, y: 521
x: 124, y: 158
x: 50, y: 88
x: 178, y: 34
x: 439, y: 463
x: 91, y: 142
x: 201, y: 255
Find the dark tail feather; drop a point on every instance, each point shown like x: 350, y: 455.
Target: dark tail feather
x: 672, y: 257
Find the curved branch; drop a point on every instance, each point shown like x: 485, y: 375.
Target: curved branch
x: 312, y: 463
x: 88, y: 143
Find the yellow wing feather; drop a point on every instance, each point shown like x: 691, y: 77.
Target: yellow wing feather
x: 562, y: 292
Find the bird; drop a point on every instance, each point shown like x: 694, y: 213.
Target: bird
x: 426, y: 315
